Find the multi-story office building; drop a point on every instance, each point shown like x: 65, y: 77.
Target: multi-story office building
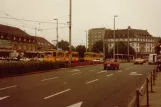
x: 141, y: 40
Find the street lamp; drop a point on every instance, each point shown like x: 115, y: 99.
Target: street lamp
x: 114, y: 37
x: 128, y: 42
x: 57, y: 32
x: 86, y: 39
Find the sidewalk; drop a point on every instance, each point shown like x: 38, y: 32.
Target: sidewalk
x: 155, y: 97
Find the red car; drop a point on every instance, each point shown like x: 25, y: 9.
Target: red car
x: 111, y: 64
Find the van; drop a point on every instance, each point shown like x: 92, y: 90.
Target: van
x: 152, y: 59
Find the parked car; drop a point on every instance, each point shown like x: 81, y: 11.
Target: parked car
x: 139, y: 61
x: 111, y: 64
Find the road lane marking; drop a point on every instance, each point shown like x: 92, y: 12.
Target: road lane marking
x: 75, y: 70
x: 101, y: 72
x: 92, y: 81
x: 76, y: 73
x: 127, y: 68
x: 49, y: 79
x: 134, y: 73
x: 109, y: 75
x: 45, y: 98
x: 120, y: 71
x: 2, y: 98
x: 76, y: 105
x: 8, y: 87
x: 92, y: 70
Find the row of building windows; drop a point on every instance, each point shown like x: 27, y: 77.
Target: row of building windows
x: 17, y: 39
x: 24, y: 47
x: 43, y: 44
x: 23, y: 40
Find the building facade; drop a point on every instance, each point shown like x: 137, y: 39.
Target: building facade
x: 12, y: 38
x: 141, y: 40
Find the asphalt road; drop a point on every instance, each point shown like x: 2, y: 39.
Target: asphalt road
x: 77, y: 87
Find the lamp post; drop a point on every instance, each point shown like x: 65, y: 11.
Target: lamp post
x: 114, y: 37
x: 128, y: 42
x: 57, y: 32
x: 86, y: 39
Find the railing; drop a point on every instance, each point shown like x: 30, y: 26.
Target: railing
x: 146, y: 88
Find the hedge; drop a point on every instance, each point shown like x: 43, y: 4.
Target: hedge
x: 8, y: 68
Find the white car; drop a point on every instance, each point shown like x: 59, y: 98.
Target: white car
x: 25, y: 59
x: 96, y: 60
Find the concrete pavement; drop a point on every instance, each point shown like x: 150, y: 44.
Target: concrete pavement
x: 83, y: 87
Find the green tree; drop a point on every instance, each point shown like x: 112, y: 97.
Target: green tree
x: 122, y: 48
x: 98, y: 46
x: 64, y: 45
x: 157, y: 46
x: 81, y: 50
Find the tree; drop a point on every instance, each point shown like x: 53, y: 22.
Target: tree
x: 122, y: 49
x: 157, y: 46
x: 64, y: 45
x: 81, y: 50
x: 98, y: 47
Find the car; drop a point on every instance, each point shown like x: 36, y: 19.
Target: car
x: 111, y: 64
x: 96, y: 60
x: 139, y: 61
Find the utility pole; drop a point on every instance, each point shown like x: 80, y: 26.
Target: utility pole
x: 114, y: 37
x: 57, y: 33
x: 70, y: 30
x: 86, y: 40
x: 103, y: 37
x: 128, y: 43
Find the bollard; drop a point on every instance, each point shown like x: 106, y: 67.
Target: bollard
x: 137, y: 99
x: 147, y: 91
x: 151, y: 81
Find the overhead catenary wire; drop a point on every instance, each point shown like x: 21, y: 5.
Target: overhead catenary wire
x: 32, y: 20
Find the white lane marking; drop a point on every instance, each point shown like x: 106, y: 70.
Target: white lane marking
x: 134, y: 73
x: 92, y: 70
x: 101, y: 72
x: 75, y: 70
x: 109, y: 75
x: 8, y: 87
x: 76, y: 73
x: 92, y: 81
x: 49, y: 79
x: 120, y: 71
x: 45, y: 98
x: 127, y: 68
x: 76, y: 105
x: 2, y: 98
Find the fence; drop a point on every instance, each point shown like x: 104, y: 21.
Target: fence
x: 146, y: 88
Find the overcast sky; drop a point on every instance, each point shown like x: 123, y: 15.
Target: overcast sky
x: 87, y: 14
